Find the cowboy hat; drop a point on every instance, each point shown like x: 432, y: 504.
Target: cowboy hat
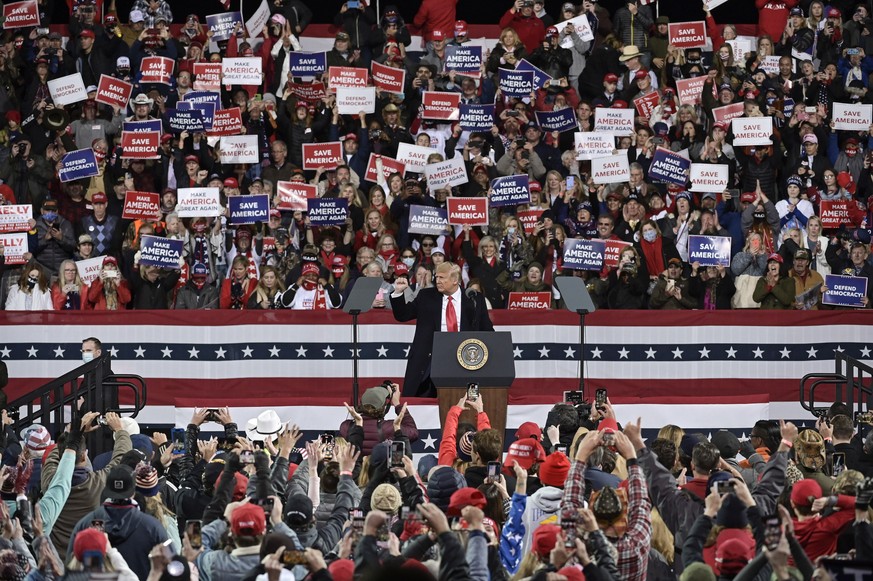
x: 142, y: 99
x: 629, y: 52
x: 266, y: 424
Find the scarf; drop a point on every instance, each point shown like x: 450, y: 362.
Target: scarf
x: 201, y: 249
x: 73, y: 302
x: 654, y: 254
x: 111, y: 296
x: 319, y: 301
x: 236, y: 294
x: 251, y: 269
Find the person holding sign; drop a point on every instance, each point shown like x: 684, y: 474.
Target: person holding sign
x: 151, y: 285
x: 712, y: 287
x: 804, y: 278
x: 109, y: 291
x: 855, y: 265
x: 31, y: 292
x: 774, y: 291
x: 68, y: 290
x: 487, y: 266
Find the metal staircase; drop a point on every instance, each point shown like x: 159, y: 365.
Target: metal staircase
x: 850, y: 383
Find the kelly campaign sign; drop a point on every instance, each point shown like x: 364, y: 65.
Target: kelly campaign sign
x: 15, y: 218
x: 691, y: 90
x: 140, y: 145
x: 476, y: 117
x: 14, y: 247
x: 198, y: 203
x: 20, y: 14
x: 222, y: 25
x: 327, y: 211
x: 464, y: 60
x: 89, y: 269
x: 709, y: 177
x: 540, y: 78
x: 142, y: 126
x: 440, y: 106
x: 226, y: 122
x: 113, y: 92
x: 669, y: 167
x: 389, y: 166
x: 349, y: 77
x: 240, y: 149
x: 388, y: 78
x: 529, y: 219
x: 241, y: 70
x: 583, y: 29
x: 727, y: 112
x: 834, y: 213
x: 161, y: 252
x: 594, y: 144
x: 353, y: 101
x: 316, y: 155
x: 182, y: 120
x: 509, y: 191
x: 687, y: 34
x: 249, y: 209
x: 78, y: 164
x: 752, y: 130
x: 610, y: 170
x: 557, y: 120
x: 646, y: 104
x: 293, y: 195
x: 709, y: 250
x: 852, y: 117
x: 428, y: 220
x: 67, y: 90
x: 414, y: 157
x: 612, y: 249
x: 523, y: 301
x: 446, y: 174
x: 583, y: 254
x: 207, y: 76
x: 619, y: 122
x: 141, y: 206
x: 845, y: 291
x: 307, y: 64
x: 157, y: 69
x: 464, y: 211
x: 514, y: 83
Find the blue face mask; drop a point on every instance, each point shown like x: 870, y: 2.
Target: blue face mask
x: 50, y: 216
x: 88, y: 356
x: 650, y: 235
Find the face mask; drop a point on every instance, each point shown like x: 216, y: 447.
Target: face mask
x: 31, y: 282
x: 650, y: 235
x: 511, y: 230
x: 50, y: 216
x: 724, y: 57
x: 99, y: 155
x: 759, y: 216
x: 408, y: 261
x: 309, y: 284
x: 199, y: 281
x: 88, y: 356
x: 850, y: 153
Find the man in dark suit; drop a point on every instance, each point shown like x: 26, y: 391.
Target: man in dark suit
x: 435, y: 309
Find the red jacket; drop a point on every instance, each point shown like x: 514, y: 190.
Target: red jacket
x: 773, y: 15
x: 448, y: 446
x: 435, y: 15
x: 818, y: 535
x: 225, y: 300
x: 531, y: 30
x: 97, y: 298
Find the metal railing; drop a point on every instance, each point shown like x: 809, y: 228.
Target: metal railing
x: 852, y: 382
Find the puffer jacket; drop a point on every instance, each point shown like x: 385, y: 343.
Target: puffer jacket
x: 376, y: 431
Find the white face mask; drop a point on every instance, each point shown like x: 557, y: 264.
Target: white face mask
x: 408, y: 262
x: 88, y: 356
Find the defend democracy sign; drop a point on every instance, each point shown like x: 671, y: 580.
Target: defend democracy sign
x: 198, y: 202
x: 327, y: 211
x: 307, y: 64
x: 241, y: 71
x: 353, y: 101
x: 583, y: 254
x: 519, y: 301
x: 728, y: 112
x: 472, y: 211
x: 388, y: 78
x: 239, y: 149
x: 15, y: 217
x: 845, y: 291
x: 476, y: 117
x: 540, y: 78
x: 156, y: 69
x: 67, y: 90
x: 446, y: 174
x: 414, y: 157
x: 440, y: 105
x: 509, y: 191
x: 709, y: 250
x: 610, y: 170
x: 591, y: 144
x: 687, y: 34
x: 140, y: 145
x: 752, y: 130
x: 326, y: 155
x: 620, y: 122
x: 161, y: 252
x: 709, y: 177
x: 141, y: 206
x: 14, y: 247
x: 190, y: 121
x: 222, y: 25
x: 293, y: 195
x: 852, y: 117
x: 20, y: 14
x: 249, y: 209
x: 81, y: 163
x: 113, y: 92
x: 428, y: 220
x: 513, y: 83
x: 670, y: 167
x: 464, y: 60
x: 557, y: 120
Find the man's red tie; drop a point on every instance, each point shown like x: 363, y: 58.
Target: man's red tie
x: 451, y: 317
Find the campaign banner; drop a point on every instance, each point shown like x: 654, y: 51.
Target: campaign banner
x: 389, y: 166
x: 619, y: 122
x: 349, y: 77
x: 845, y: 291
x: 709, y: 177
x: 78, y: 164
x: 525, y: 301
x: 143, y: 126
x: 14, y: 248
x: 515, y: 83
x: 140, y: 145
x: 727, y: 112
x: 529, y: 219
x: 20, y: 14
x: 509, y: 191
x: 207, y: 76
x: 227, y: 122
x: 583, y: 29
x: 593, y: 144
x: 241, y: 70
x: 709, y: 250
x: 441, y: 106
x: 646, y: 104
x: 198, y: 203
x: 293, y: 195
x: 476, y: 117
x: 181, y: 120
x: 557, y: 120
x: 157, y: 69
x: 248, y: 209
x: 690, y: 90
x: 687, y: 34
x: 834, y: 213
x: 207, y: 102
x: 669, y: 167
x: 67, y: 90
x: 446, y: 174
x: 312, y: 92
x: 752, y: 130
x: 353, y: 101
x: 89, y: 269
x: 852, y: 117
x: 540, y: 77
x: 740, y: 47
x: 15, y: 218
x: 328, y: 155
x: 307, y: 64
x: 141, y: 206
x: 612, y: 249
x: 161, y: 252
x: 583, y: 254
x: 327, y: 211
x: 240, y: 149
x: 463, y: 211
x: 428, y: 220
x: 388, y: 78
x: 464, y: 60
x: 268, y: 244
x: 770, y: 64
x: 222, y: 25
x: 255, y: 24
x: 788, y: 107
x: 113, y: 92
x: 414, y: 157
x: 610, y: 170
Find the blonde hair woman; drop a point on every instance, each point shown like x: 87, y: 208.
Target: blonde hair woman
x: 69, y: 290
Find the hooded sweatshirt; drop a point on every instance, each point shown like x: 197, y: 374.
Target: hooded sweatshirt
x: 542, y: 508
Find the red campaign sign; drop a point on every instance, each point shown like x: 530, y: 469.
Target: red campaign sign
x: 472, y: 211
x: 207, y: 76
x: 690, y: 90
x: 687, y: 34
x: 611, y: 251
x: 441, y: 106
x: 309, y: 92
x: 351, y: 77
x: 316, y: 155
x: 833, y: 213
x: 226, y: 122
x: 269, y: 244
x: 157, y: 69
x: 728, y: 112
x: 645, y: 105
x: 388, y: 78
x: 529, y: 219
x: 141, y: 206
x: 113, y: 92
x: 293, y: 195
x: 140, y: 144
x: 389, y: 166
x: 20, y: 14
x: 521, y: 301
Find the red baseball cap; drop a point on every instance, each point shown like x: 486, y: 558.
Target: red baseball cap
x: 310, y: 268
x: 196, y: 159
x: 610, y: 78
x: 99, y: 198
x: 231, y: 183
x: 437, y: 35
x: 249, y: 520
x: 526, y: 452
x: 167, y: 137
x: 87, y: 33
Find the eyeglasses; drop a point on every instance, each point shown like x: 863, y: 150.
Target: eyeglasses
x: 389, y: 244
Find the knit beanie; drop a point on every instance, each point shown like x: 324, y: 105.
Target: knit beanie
x: 553, y: 472
x: 386, y: 498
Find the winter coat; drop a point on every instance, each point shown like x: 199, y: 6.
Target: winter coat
x: 376, y: 431
x: 41, y: 300
x: 190, y: 297
x: 541, y: 505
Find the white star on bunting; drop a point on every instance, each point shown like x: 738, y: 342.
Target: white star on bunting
x: 429, y: 442
x: 704, y: 353
x: 677, y: 353
x: 569, y: 352
x: 759, y: 353
x: 167, y: 351
x: 219, y: 354
x: 650, y: 353
x: 623, y: 353
x: 731, y: 353
x: 785, y: 353
x: 301, y: 352
x: 247, y: 352
x: 595, y: 353
x: 32, y: 352
x: 516, y: 352
x: 59, y: 352
x: 383, y: 351
x: 328, y: 351
x: 140, y: 352
x: 193, y: 353
x: 544, y: 352
x: 274, y: 352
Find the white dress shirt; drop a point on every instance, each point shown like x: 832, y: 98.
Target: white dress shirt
x: 456, y: 302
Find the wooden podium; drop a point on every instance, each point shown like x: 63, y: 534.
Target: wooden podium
x: 485, y: 358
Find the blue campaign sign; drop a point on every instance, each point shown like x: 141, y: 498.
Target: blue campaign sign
x: 162, y: 252
x: 509, y: 191
x: 207, y: 107
x: 428, y: 220
x: 249, y: 209
x: 476, y: 117
x: 515, y: 83
x: 670, y: 167
x: 464, y: 60
x: 141, y: 126
x: 540, y: 77
x: 182, y: 120
x: 307, y: 64
x: 845, y: 291
x: 222, y: 24
x: 81, y: 163
x: 709, y: 250
x: 583, y: 254
x: 327, y: 211
x: 560, y: 120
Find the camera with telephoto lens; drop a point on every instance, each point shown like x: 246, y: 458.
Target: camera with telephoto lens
x: 375, y: 133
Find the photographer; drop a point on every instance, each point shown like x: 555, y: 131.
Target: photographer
x: 628, y: 283
x: 109, y: 291
x: 27, y: 176
x: 375, y: 403
x: 55, y: 234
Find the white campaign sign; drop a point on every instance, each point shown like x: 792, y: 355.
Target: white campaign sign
x: 89, y: 269
x: 413, y: 156
x: 446, y: 173
x: 618, y: 121
x: 67, y: 90
x: 198, y: 203
x: 852, y: 117
x: 610, y: 170
x: 594, y: 144
x: 740, y: 46
x: 241, y: 71
x: 353, y: 101
x: 239, y: 149
x: 752, y: 130
x: 709, y: 177
x: 583, y: 29
x: 255, y: 24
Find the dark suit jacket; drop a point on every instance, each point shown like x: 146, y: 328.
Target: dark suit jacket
x: 426, y: 309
